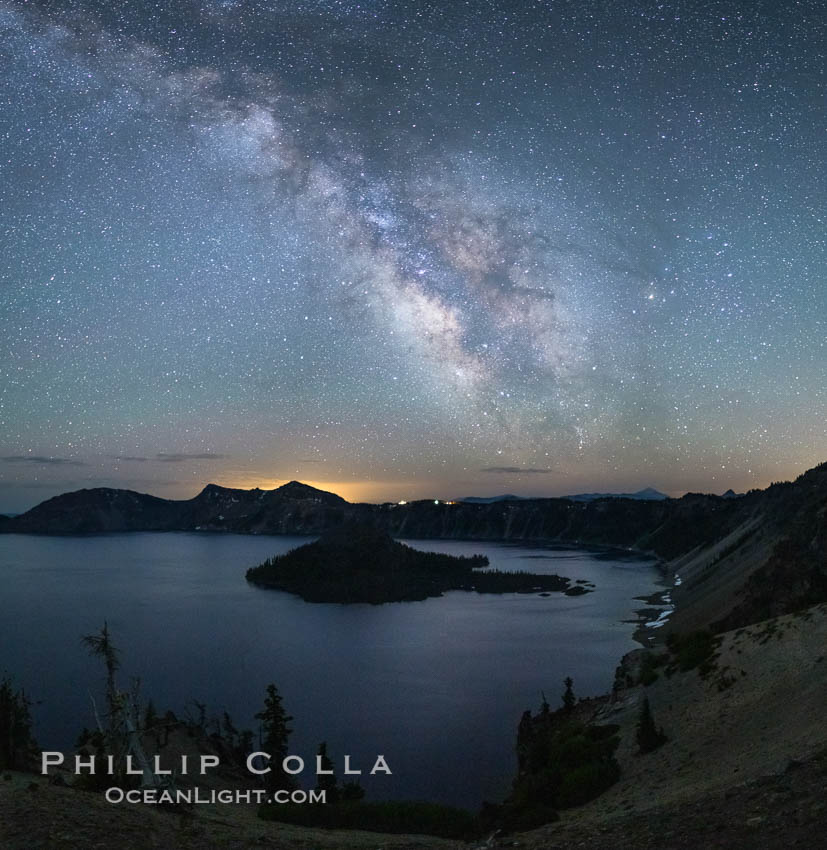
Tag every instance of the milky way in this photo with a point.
(411, 249)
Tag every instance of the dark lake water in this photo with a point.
(437, 687)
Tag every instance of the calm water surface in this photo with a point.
(437, 687)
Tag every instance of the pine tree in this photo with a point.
(273, 735)
(101, 644)
(326, 781)
(150, 715)
(228, 731)
(569, 699)
(16, 742)
(649, 737)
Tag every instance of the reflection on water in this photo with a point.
(437, 687)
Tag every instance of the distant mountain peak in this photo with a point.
(214, 490)
(647, 494)
(298, 490)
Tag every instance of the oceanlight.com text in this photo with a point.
(211, 796)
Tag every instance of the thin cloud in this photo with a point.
(131, 458)
(41, 459)
(516, 470)
(184, 457)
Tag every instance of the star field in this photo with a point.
(408, 249)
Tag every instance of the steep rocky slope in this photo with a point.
(746, 760)
(770, 559)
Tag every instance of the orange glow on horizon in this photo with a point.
(351, 491)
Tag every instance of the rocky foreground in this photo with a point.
(745, 766)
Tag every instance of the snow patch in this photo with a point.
(662, 619)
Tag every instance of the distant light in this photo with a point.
(403, 502)
(436, 501)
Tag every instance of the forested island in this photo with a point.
(357, 562)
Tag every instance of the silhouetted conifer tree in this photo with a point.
(245, 744)
(101, 645)
(649, 737)
(273, 735)
(150, 715)
(326, 781)
(569, 699)
(16, 742)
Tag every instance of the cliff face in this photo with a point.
(795, 574)
(292, 509)
(101, 509)
(660, 526)
(613, 521)
(668, 528)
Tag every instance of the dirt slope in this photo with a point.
(746, 763)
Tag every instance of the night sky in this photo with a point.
(411, 249)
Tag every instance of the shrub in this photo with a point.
(587, 781)
(694, 649)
